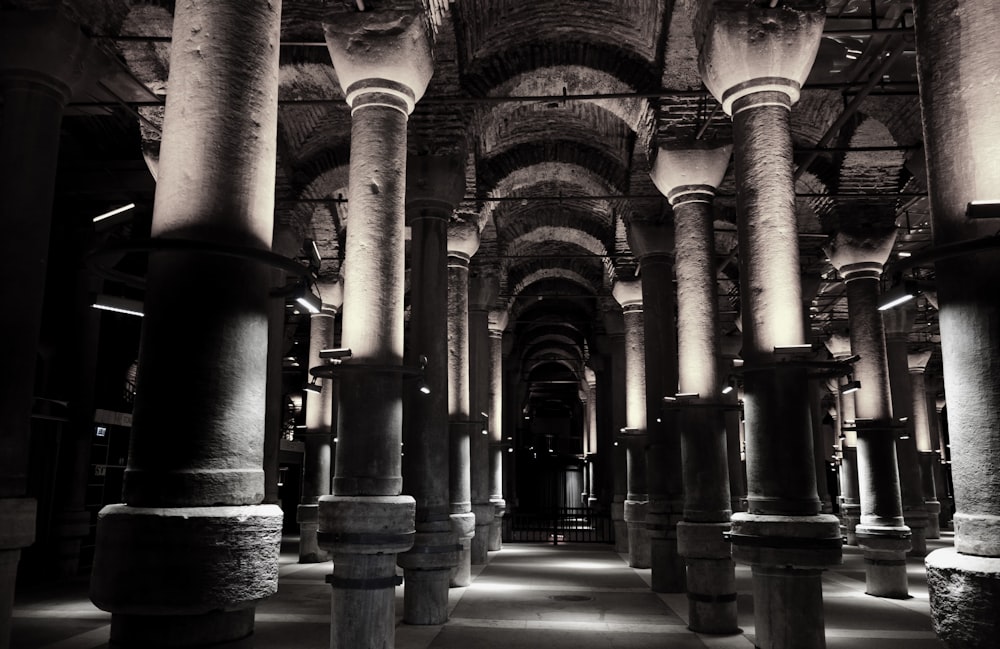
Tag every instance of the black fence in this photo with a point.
(558, 525)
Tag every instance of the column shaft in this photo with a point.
(636, 498)
(927, 456)
(496, 435)
(192, 524)
(960, 121)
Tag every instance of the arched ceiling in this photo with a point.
(557, 107)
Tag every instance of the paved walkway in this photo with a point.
(528, 596)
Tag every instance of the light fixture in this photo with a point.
(422, 384)
(313, 386)
(681, 396)
(118, 304)
(792, 351)
(424, 388)
(900, 293)
(110, 213)
(338, 353)
(850, 386)
(985, 209)
(308, 299)
(730, 385)
(312, 252)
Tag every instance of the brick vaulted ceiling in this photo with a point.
(559, 107)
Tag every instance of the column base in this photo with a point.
(933, 509)
(885, 561)
(184, 561)
(427, 570)
(850, 513)
(17, 530)
(916, 520)
(711, 577)
(307, 517)
(639, 552)
(668, 570)
(484, 513)
(787, 555)
(621, 529)
(364, 534)
(496, 525)
(965, 598)
(464, 526)
(215, 630)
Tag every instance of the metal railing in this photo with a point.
(558, 525)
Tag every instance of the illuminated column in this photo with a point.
(383, 64)
(187, 557)
(497, 323)
(810, 286)
(590, 447)
(689, 177)
(961, 123)
(898, 323)
(839, 345)
(882, 533)
(653, 243)
(928, 457)
(434, 186)
(628, 293)
(733, 419)
(783, 535)
(463, 241)
(615, 379)
(482, 293)
(319, 428)
(41, 55)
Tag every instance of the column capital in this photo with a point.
(498, 321)
(691, 174)
(332, 295)
(898, 322)
(917, 361)
(435, 185)
(628, 293)
(649, 238)
(43, 47)
(483, 290)
(381, 58)
(839, 345)
(857, 255)
(463, 239)
(750, 49)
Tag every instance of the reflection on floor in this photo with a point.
(529, 595)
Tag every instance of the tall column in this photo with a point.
(41, 56)
(961, 121)
(653, 244)
(783, 535)
(187, 557)
(898, 323)
(882, 534)
(810, 287)
(628, 293)
(615, 381)
(497, 324)
(927, 456)
(482, 293)
(590, 443)
(733, 419)
(689, 177)
(434, 186)
(383, 63)
(463, 241)
(319, 429)
(839, 345)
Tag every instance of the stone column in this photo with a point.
(898, 323)
(615, 380)
(497, 324)
(783, 535)
(383, 64)
(463, 241)
(628, 293)
(882, 533)
(482, 293)
(41, 56)
(689, 177)
(319, 428)
(653, 243)
(434, 186)
(590, 446)
(961, 120)
(810, 286)
(185, 560)
(733, 420)
(839, 345)
(927, 456)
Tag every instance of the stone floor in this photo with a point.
(529, 595)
